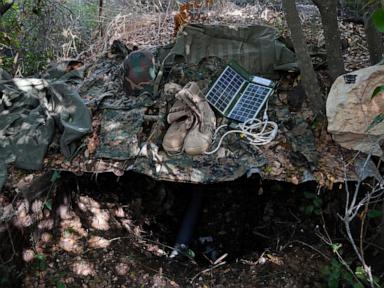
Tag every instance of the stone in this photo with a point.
(351, 109)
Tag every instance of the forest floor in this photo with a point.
(118, 231)
(121, 237)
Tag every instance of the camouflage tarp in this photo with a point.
(119, 133)
(128, 130)
(30, 109)
(292, 157)
(256, 48)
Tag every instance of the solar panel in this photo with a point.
(249, 105)
(239, 96)
(225, 89)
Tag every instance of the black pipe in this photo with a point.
(188, 225)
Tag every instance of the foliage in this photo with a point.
(33, 33)
(311, 204)
(380, 117)
(40, 262)
(378, 19)
(336, 275)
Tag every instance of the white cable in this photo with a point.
(256, 132)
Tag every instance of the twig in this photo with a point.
(329, 242)
(309, 246)
(207, 270)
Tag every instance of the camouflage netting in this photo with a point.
(128, 130)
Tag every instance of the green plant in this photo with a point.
(380, 117)
(337, 276)
(311, 204)
(378, 19)
(40, 262)
(55, 280)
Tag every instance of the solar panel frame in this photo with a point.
(250, 103)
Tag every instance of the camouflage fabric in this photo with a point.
(139, 72)
(31, 111)
(119, 134)
(256, 48)
(129, 129)
(132, 129)
(221, 167)
(3, 173)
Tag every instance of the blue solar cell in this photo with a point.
(225, 89)
(250, 102)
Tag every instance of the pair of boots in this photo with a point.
(192, 123)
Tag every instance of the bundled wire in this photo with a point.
(257, 132)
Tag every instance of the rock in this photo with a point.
(351, 109)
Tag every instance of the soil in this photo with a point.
(105, 231)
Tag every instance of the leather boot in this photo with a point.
(199, 138)
(181, 120)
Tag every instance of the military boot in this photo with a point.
(181, 120)
(199, 137)
(177, 111)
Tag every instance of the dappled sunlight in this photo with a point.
(119, 212)
(28, 255)
(46, 237)
(37, 206)
(64, 212)
(98, 242)
(100, 220)
(73, 226)
(122, 268)
(23, 218)
(71, 233)
(83, 268)
(70, 243)
(87, 203)
(155, 249)
(46, 224)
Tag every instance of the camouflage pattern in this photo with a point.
(132, 129)
(119, 134)
(280, 160)
(256, 48)
(139, 72)
(3, 173)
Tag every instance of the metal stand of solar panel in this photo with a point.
(238, 95)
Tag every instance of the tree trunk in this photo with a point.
(308, 75)
(374, 39)
(328, 12)
(100, 17)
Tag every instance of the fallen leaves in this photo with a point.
(98, 242)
